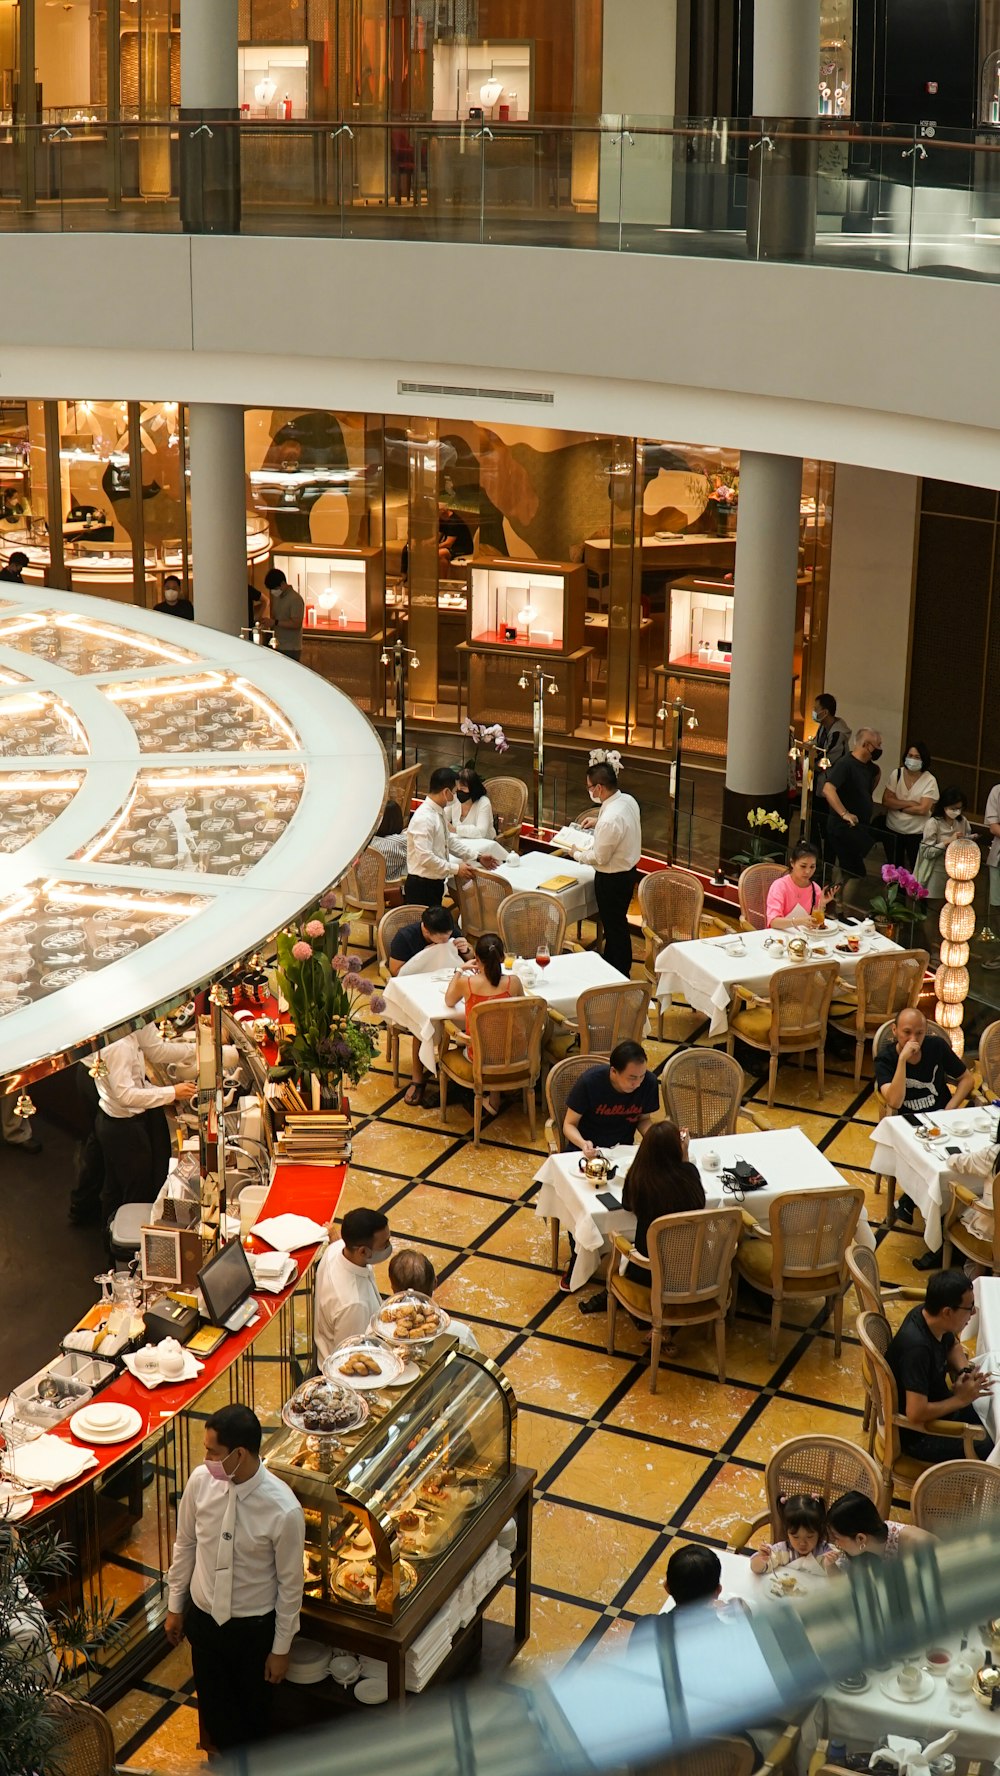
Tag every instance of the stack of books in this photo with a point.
(321, 1138)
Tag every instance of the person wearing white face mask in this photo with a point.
(347, 1295)
(173, 603)
(235, 1581)
(945, 822)
(909, 795)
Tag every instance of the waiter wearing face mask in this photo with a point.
(347, 1296)
(173, 603)
(849, 791)
(613, 852)
(235, 1581)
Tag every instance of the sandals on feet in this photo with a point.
(414, 1096)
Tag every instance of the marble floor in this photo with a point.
(623, 1475)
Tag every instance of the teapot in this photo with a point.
(986, 1686)
(598, 1168)
(798, 949)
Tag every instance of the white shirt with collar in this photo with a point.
(267, 1550)
(617, 841)
(126, 1090)
(346, 1300)
(431, 851)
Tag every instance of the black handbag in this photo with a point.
(741, 1177)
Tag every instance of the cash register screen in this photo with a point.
(226, 1282)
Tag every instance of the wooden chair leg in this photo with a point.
(859, 1055)
(530, 1102)
(867, 1416)
(612, 1321)
(443, 1090)
(720, 1346)
(654, 1359)
(890, 1202)
(477, 1119)
(730, 1041)
(772, 1079)
(946, 1253)
(554, 1230)
(838, 1324)
(820, 1073)
(775, 1328)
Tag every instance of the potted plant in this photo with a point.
(901, 904)
(325, 991)
(764, 826)
(483, 735)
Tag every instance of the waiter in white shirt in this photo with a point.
(614, 852)
(235, 1581)
(130, 1124)
(347, 1295)
(432, 854)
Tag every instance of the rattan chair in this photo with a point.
(989, 1058)
(401, 788)
(509, 801)
(365, 893)
(792, 1021)
(84, 1744)
(702, 1092)
(717, 1757)
(395, 920)
(885, 985)
(805, 1252)
(690, 1267)
(958, 1495)
(899, 1472)
(559, 1082)
(826, 1466)
(862, 1264)
(752, 889)
(528, 918)
(955, 1237)
(883, 1110)
(609, 1015)
(499, 1051)
(479, 896)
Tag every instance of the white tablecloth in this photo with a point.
(416, 1002)
(785, 1157)
(531, 868)
(921, 1167)
(706, 970)
(863, 1719)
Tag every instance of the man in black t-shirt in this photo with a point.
(918, 1071)
(608, 1105)
(925, 1355)
(848, 792)
(434, 926)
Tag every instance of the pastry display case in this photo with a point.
(389, 1492)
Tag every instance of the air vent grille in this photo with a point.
(534, 397)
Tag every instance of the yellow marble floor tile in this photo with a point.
(455, 1217)
(635, 1479)
(614, 1639)
(174, 1669)
(493, 1340)
(736, 1492)
(577, 1382)
(373, 1093)
(895, 1259)
(648, 1597)
(385, 1146)
(428, 1116)
(815, 1127)
(869, 1110)
(367, 1190)
(680, 1022)
(683, 1409)
(123, 1587)
(172, 1750)
(584, 1555)
(523, 1235)
(852, 1147)
(541, 1440)
(782, 1419)
(510, 1293)
(557, 1629)
(512, 1129)
(822, 1376)
(127, 1717)
(493, 1171)
(800, 1090)
(439, 1255)
(746, 1350)
(566, 1321)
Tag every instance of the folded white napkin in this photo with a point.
(286, 1233)
(49, 1463)
(271, 1283)
(192, 1367)
(435, 959)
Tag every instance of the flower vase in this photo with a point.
(886, 926)
(721, 520)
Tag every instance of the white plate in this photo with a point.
(390, 1364)
(890, 1687)
(371, 1690)
(121, 1433)
(404, 1378)
(14, 1502)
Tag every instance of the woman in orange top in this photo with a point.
(485, 980)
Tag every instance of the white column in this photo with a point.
(210, 55)
(760, 687)
(218, 515)
(786, 38)
(639, 79)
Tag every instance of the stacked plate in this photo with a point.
(309, 1661)
(109, 1423)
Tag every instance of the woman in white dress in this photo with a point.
(909, 796)
(470, 817)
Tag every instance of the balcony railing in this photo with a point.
(828, 192)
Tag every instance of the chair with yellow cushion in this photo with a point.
(479, 898)
(609, 1015)
(559, 1082)
(826, 1466)
(702, 1092)
(528, 918)
(401, 789)
(862, 1264)
(804, 1252)
(671, 902)
(752, 888)
(884, 986)
(499, 1051)
(792, 1021)
(899, 1471)
(690, 1266)
(366, 894)
(509, 801)
(956, 1497)
(956, 1237)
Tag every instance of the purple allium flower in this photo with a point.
(354, 964)
(378, 1003)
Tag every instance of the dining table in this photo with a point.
(530, 871)
(417, 1002)
(920, 1162)
(705, 970)
(785, 1158)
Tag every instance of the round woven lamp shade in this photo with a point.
(954, 955)
(957, 1040)
(962, 860)
(948, 1017)
(957, 923)
(959, 894)
(952, 985)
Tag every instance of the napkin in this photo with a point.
(435, 959)
(49, 1463)
(271, 1284)
(286, 1233)
(192, 1367)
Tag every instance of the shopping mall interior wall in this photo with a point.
(871, 592)
(209, 319)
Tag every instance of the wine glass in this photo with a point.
(542, 956)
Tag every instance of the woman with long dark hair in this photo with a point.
(484, 980)
(660, 1181)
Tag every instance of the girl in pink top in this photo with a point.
(793, 899)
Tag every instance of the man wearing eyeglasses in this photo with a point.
(849, 791)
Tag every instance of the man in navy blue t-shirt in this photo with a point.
(608, 1106)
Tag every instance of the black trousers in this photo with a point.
(136, 1152)
(847, 845)
(902, 848)
(88, 1187)
(421, 891)
(234, 1701)
(614, 897)
(929, 1448)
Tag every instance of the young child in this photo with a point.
(803, 1521)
